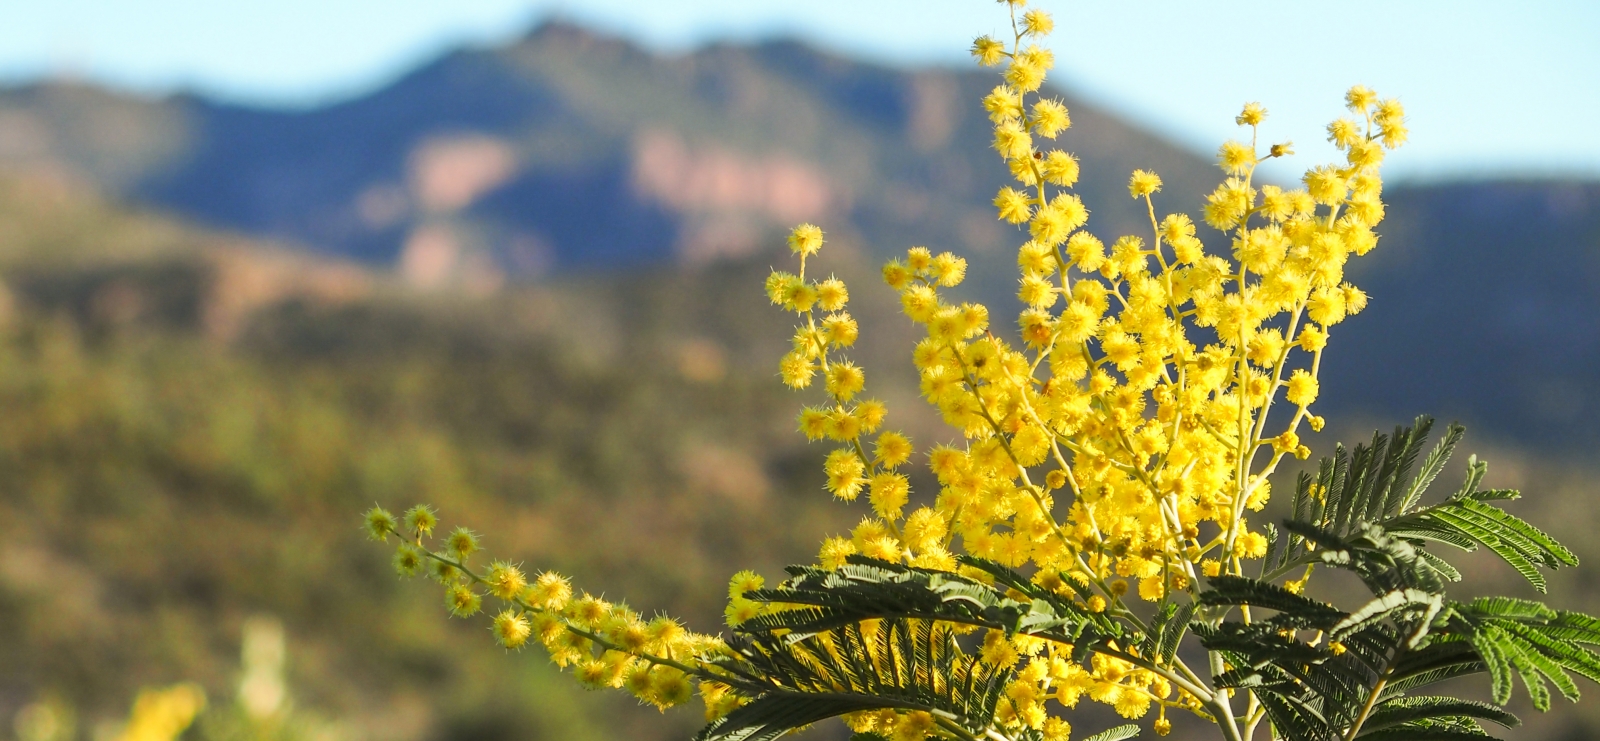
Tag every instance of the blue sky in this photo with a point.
(1493, 88)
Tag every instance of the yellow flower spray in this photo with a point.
(1114, 453)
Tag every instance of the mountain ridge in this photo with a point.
(568, 153)
(745, 140)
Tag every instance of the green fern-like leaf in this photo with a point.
(901, 664)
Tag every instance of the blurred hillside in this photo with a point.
(191, 417)
(172, 462)
(1485, 308)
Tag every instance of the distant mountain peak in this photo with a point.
(569, 149)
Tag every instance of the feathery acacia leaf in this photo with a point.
(900, 664)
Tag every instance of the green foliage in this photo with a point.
(899, 663)
(869, 589)
(1360, 513)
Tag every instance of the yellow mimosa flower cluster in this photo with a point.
(1114, 441)
(1124, 438)
(604, 644)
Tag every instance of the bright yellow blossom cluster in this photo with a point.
(1125, 437)
(603, 643)
(1113, 450)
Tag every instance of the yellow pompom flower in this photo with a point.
(1003, 104)
(1326, 306)
(1355, 299)
(740, 610)
(1038, 23)
(834, 552)
(1059, 168)
(1132, 704)
(1250, 545)
(844, 380)
(1050, 118)
(551, 591)
(1369, 211)
(805, 240)
(871, 412)
(1177, 227)
(844, 471)
(505, 581)
(379, 523)
(591, 674)
(892, 449)
(637, 682)
(462, 543)
(920, 303)
(843, 425)
(1143, 183)
(1055, 221)
(407, 561)
(421, 520)
(919, 258)
(832, 294)
(1037, 292)
(1037, 56)
(1037, 328)
(1391, 120)
(588, 611)
(1025, 171)
(948, 270)
(744, 581)
(1015, 206)
(897, 275)
(1056, 729)
(1086, 251)
(796, 370)
(1228, 204)
(1036, 259)
(1152, 588)
(1235, 157)
(1364, 155)
(840, 330)
(462, 600)
(511, 629)
(1276, 204)
(1025, 76)
(670, 687)
(987, 50)
(799, 296)
(1302, 389)
(1344, 132)
(777, 286)
(1252, 115)
(888, 493)
(813, 423)
(1360, 98)
(1312, 339)
(1012, 141)
(925, 529)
